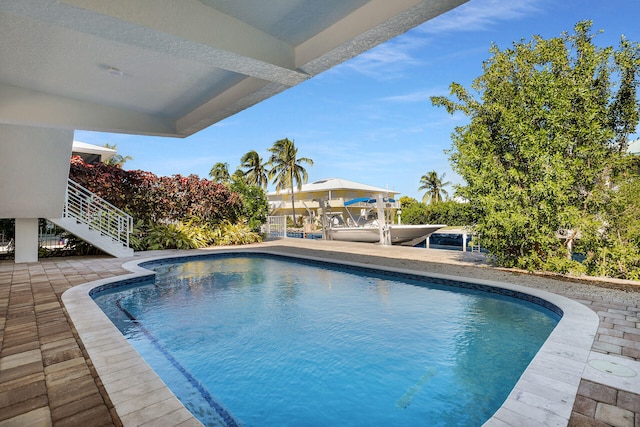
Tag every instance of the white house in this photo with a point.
(333, 193)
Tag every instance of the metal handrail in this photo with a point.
(88, 208)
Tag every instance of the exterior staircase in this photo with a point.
(96, 221)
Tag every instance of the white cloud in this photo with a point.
(422, 95)
(389, 60)
(480, 15)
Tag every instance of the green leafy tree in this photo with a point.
(450, 213)
(117, 159)
(254, 169)
(255, 205)
(287, 171)
(434, 185)
(545, 141)
(219, 173)
(613, 248)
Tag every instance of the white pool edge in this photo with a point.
(544, 394)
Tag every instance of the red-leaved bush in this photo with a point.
(155, 199)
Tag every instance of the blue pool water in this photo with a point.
(266, 341)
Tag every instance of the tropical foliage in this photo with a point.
(174, 212)
(117, 159)
(450, 213)
(543, 155)
(219, 173)
(255, 205)
(287, 171)
(434, 185)
(254, 170)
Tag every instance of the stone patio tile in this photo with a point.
(151, 413)
(23, 406)
(614, 416)
(626, 328)
(68, 334)
(53, 357)
(47, 306)
(97, 416)
(21, 391)
(19, 337)
(11, 374)
(514, 418)
(131, 379)
(63, 344)
(620, 341)
(73, 390)
(36, 418)
(137, 391)
(128, 403)
(598, 392)
(611, 332)
(631, 353)
(77, 406)
(580, 420)
(193, 422)
(15, 327)
(543, 379)
(604, 347)
(585, 406)
(8, 350)
(63, 376)
(54, 328)
(624, 311)
(19, 359)
(630, 401)
(115, 356)
(22, 380)
(554, 406)
(172, 419)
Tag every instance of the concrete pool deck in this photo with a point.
(55, 373)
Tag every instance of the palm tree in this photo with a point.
(116, 160)
(220, 173)
(255, 171)
(286, 169)
(435, 187)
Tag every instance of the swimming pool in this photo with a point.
(297, 343)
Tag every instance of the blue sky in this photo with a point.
(370, 119)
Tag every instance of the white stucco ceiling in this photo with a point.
(181, 65)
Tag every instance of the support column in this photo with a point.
(26, 241)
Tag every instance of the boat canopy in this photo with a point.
(366, 200)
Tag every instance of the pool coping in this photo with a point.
(544, 394)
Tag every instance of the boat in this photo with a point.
(399, 233)
(368, 229)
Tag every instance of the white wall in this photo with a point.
(34, 167)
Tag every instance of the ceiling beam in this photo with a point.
(185, 28)
(19, 106)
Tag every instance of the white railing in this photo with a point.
(88, 208)
(335, 203)
(276, 227)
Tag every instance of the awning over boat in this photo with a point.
(366, 200)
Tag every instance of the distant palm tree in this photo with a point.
(435, 187)
(220, 173)
(117, 159)
(254, 170)
(286, 169)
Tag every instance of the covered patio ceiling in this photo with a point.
(165, 67)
